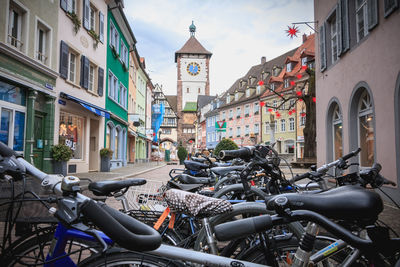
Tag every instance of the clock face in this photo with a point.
(193, 68)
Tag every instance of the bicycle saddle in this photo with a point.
(188, 179)
(184, 187)
(196, 205)
(105, 188)
(194, 166)
(345, 202)
(225, 170)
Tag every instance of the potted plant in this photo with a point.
(61, 154)
(75, 19)
(105, 155)
(95, 37)
(182, 154)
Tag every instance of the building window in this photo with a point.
(256, 128)
(283, 125)
(272, 86)
(122, 98)
(71, 6)
(236, 96)
(237, 131)
(228, 99)
(289, 146)
(291, 124)
(199, 90)
(72, 67)
(238, 112)
(256, 108)
(223, 116)
(334, 37)
(230, 114)
(92, 18)
(361, 19)
(42, 43)
(258, 89)
(247, 130)
(302, 120)
(366, 130)
(16, 26)
(390, 6)
(304, 61)
(274, 103)
(230, 132)
(283, 105)
(91, 77)
(114, 37)
(246, 110)
(113, 87)
(337, 133)
(71, 133)
(187, 90)
(247, 92)
(124, 55)
(289, 67)
(286, 83)
(108, 136)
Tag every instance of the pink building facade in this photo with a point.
(358, 84)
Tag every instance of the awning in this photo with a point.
(93, 108)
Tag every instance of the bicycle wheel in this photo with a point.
(119, 257)
(240, 211)
(33, 251)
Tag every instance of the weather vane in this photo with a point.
(294, 30)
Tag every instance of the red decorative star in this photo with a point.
(292, 31)
(304, 67)
(314, 99)
(290, 112)
(262, 103)
(293, 110)
(292, 83)
(278, 115)
(299, 76)
(261, 83)
(298, 93)
(303, 114)
(270, 110)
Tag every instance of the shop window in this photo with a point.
(71, 133)
(12, 128)
(289, 146)
(108, 136)
(12, 94)
(337, 133)
(366, 130)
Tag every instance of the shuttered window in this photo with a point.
(322, 47)
(84, 72)
(101, 27)
(64, 60)
(100, 81)
(345, 33)
(86, 14)
(372, 7)
(390, 6)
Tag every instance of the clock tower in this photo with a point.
(193, 79)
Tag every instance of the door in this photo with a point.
(94, 152)
(38, 142)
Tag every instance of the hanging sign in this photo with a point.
(220, 126)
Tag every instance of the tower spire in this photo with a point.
(192, 29)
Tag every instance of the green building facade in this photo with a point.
(28, 73)
(120, 40)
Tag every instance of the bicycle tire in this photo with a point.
(120, 257)
(33, 251)
(246, 208)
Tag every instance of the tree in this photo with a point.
(225, 144)
(305, 93)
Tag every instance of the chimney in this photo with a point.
(263, 60)
(304, 38)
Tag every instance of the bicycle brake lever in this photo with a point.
(92, 232)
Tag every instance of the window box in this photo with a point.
(238, 116)
(230, 119)
(246, 134)
(256, 113)
(114, 51)
(75, 19)
(95, 37)
(246, 115)
(256, 133)
(230, 136)
(238, 135)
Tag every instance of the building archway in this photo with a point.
(362, 124)
(334, 130)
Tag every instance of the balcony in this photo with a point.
(15, 42)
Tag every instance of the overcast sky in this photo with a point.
(237, 32)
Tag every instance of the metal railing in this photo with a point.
(15, 42)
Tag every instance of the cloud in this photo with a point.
(238, 33)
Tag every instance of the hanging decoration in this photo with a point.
(299, 76)
(314, 99)
(290, 112)
(270, 110)
(298, 93)
(262, 104)
(292, 31)
(304, 67)
(292, 83)
(260, 83)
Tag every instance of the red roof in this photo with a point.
(192, 46)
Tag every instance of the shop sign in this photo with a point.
(71, 144)
(149, 132)
(61, 102)
(49, 86)
(300, 138)
(135, 119)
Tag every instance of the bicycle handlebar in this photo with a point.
(121, 228)
(243, 153)
(6, 151)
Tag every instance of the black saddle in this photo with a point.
(184, 187)
(105, 188)
(345, 203)
(224, 170)
(198, 159)
(188, 179)
(195, 166)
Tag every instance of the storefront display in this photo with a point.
(71, 133)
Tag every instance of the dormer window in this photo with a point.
(272, 86)
(289, 67)
(286, 83)
(228, 99)
(247, 92)
(218, 104)
(236, 96)
(252, 80)
(258, 89)
(304, 61)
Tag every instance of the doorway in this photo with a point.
(38, 142)
(94, 153)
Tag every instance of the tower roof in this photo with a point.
(192, 46)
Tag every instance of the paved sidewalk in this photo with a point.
(121, 173)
